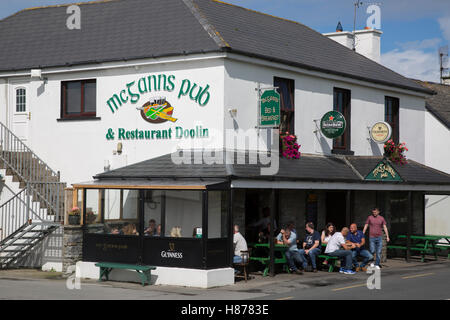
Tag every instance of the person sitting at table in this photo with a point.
(311, 247)
(327, 233)
(338, 247)
(264, 235)
(288, 238)
(158, 231)
(175, 232)
(151, 230)
(357, 237)
(239, 244)
(130, 230)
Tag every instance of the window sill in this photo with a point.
(78, 119)
(343, 152)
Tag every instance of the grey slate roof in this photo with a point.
(117, 30)
(307, 168)
(438, 104)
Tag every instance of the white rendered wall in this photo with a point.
(437, 151)
(79, 148)
(196, 278)
(313, 98)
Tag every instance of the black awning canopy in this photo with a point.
(331, 172)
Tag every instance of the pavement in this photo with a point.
(398, 280)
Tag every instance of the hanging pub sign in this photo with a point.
(269, 115)
(333, 124)
(380, 132)
(383, 172)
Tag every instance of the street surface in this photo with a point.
(429, 280)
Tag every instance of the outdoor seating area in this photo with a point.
(421, 245)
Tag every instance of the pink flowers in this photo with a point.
(395, 152)
(75, 211)
(289, 146)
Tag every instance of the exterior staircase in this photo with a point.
(35, 210)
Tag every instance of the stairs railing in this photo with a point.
(41, 182)
(17, 212)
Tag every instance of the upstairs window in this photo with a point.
(391, 116)
(21, 105)
(78, 99)
(286, 89)
(342, 104)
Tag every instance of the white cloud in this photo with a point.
(417, 45)
(413, 63)
(444, 22)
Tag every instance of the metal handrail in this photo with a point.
(2, 126)
(28, 167)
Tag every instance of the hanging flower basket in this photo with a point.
(289, 146)
(395, 152)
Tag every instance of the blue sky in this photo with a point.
(413, 30)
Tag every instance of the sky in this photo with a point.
(413, 30)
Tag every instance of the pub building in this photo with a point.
(155, 117)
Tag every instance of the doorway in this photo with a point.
(336, 208)
(19, 109)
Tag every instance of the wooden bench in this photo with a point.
(143, 271)
(330, 260)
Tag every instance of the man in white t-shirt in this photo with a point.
(239, 245)
(338, 247)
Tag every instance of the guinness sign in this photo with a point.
(171, 253)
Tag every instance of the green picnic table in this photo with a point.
(143, 271)
(424, 244)
(265, 259)
(330, 260)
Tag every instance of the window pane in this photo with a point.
(342, 104)
(112, 205)
(90, 96)
(20, 100)
(153, 200)
(183, 213)
(286, 90)
(92, 216)
(217, 214)
(73, 97)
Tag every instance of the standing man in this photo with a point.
(377, 224)
(289, 238)
(311, 247)
(337, 247)
(357, 237)
(239, 245)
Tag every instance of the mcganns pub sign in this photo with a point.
(156, 83)
(157, 110)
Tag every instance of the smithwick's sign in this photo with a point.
(380, 132)
(171, 253)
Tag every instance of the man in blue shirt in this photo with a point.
(357, 237)
(311, 247)
(289, 238)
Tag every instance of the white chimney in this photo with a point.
(367, 41)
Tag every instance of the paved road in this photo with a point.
(426, 281)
